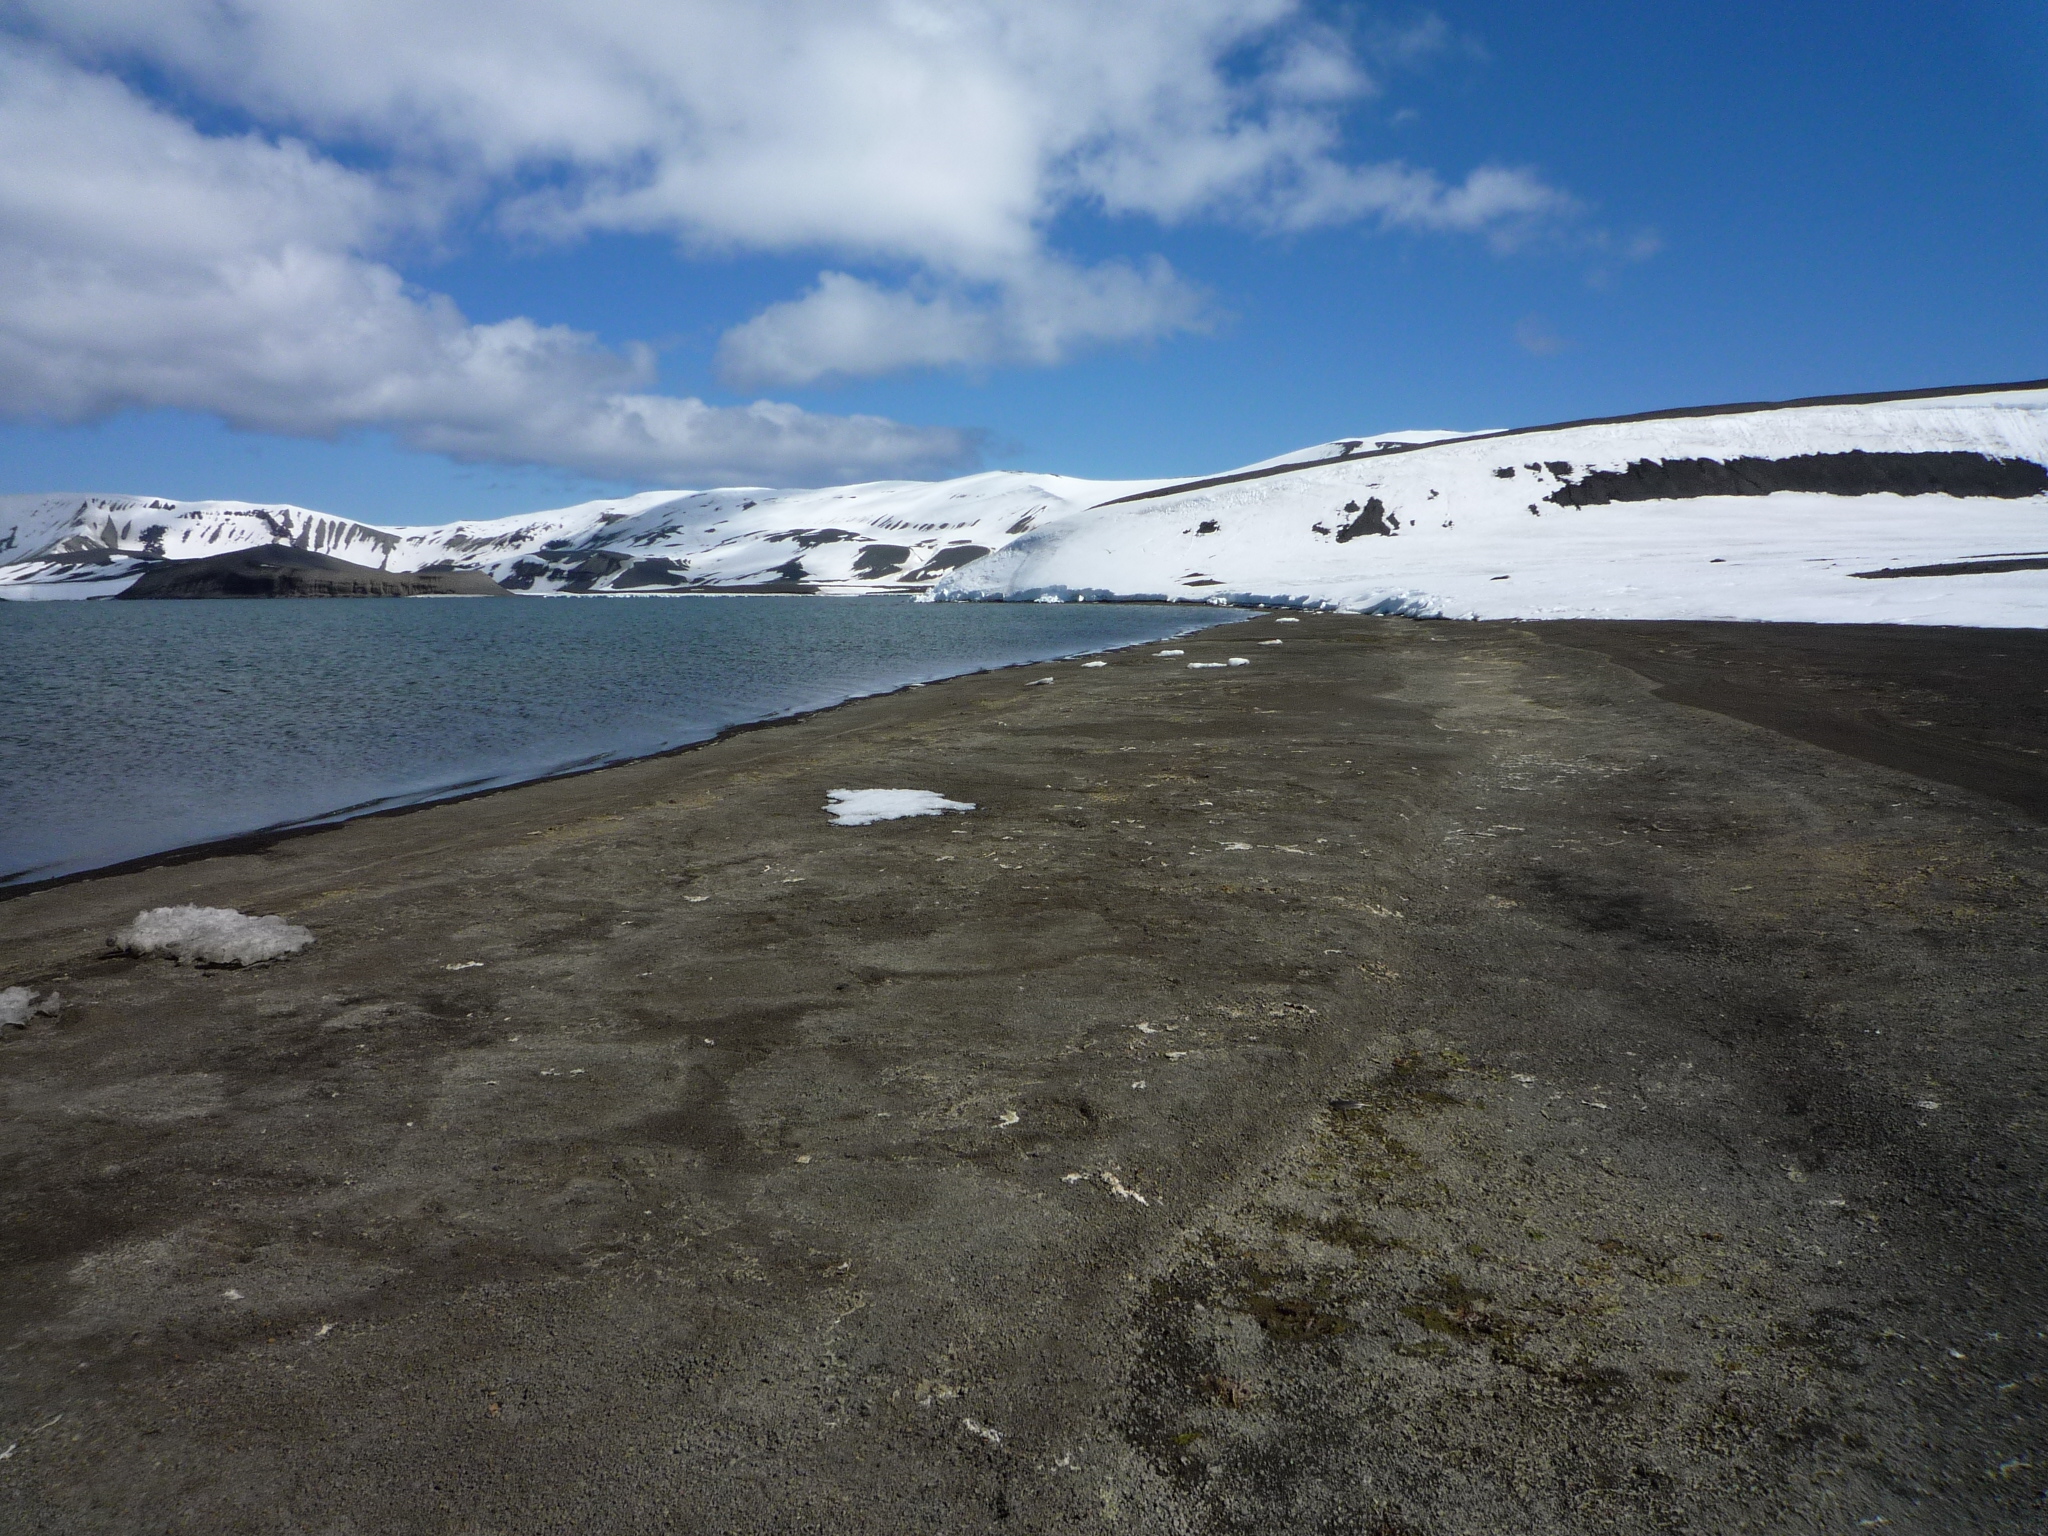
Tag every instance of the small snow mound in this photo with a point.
(1200, 666)
(858, 807)
(211, 936)
(18, 1005)
(1094, 663)
(1169, 653)
(1240, 661)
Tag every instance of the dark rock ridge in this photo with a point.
(1855, 473)
(1957, 568)
(279, 570)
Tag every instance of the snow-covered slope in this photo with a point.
(888, 536)
(1928, 508)
(72, 545)
(1555, 522)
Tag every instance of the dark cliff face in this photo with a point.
(278, 570)
(1855, 473)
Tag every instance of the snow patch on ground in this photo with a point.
(859, 807)
(211, 936)
(18, 1005)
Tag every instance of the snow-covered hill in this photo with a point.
(1924, 508)
(888, 536)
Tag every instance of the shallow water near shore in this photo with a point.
(136, 728)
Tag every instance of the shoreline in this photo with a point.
(2017, 784)
(1425, 1079)
(260, 839)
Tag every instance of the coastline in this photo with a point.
(1421, 1077)
(257, 839)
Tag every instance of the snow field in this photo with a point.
(1465, 528)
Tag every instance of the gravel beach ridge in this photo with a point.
(1432, 1078)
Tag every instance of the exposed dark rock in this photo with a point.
(279, 570)
(588, 570)
(1956, 568)
(1855, 473)
(947, 560)
(1373, 519)
(524, 574)
(774, 586)
(878, 560)
(652, 571)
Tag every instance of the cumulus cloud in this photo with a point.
(151, 265)
(847, 326)
(251, 274)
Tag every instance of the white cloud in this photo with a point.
(942, 138)
(150, 265)
(846, 326)
(1505, 204)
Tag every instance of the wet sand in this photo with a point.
(1426, 1080)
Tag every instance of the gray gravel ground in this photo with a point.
(1419, 1082)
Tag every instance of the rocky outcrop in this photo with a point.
(1856, 473)
(279, 570)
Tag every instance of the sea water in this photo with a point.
(128, 729)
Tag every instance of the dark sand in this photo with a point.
(1555, 1107)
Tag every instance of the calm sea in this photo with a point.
(134, 728)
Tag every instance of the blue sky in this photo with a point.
(283, 265)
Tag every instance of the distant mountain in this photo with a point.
(892, 536)
(1927, 507)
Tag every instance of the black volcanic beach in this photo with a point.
(1435, 1078)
